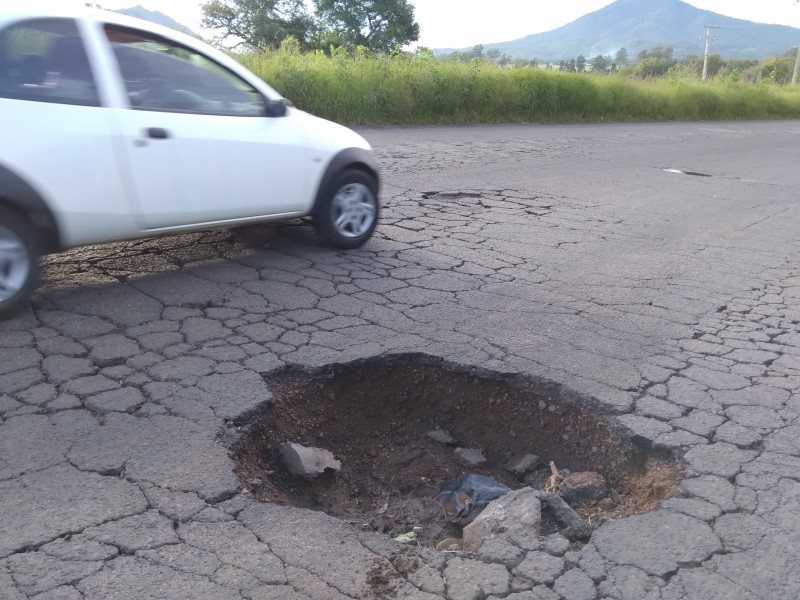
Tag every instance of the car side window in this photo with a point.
(162, 75)
(44, 60)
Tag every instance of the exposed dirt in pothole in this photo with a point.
(374, 417)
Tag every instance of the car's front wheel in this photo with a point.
(347, 211)
(19, 262)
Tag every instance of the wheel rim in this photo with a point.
(353, 210)
(14, 264)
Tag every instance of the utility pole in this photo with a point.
(708, 45)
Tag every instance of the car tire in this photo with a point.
(347, 210)
(19, 262)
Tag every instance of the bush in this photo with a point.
(360, 88)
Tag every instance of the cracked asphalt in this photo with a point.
(574, 253)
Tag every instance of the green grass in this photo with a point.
(363, 89)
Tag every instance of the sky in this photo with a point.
(465, 23)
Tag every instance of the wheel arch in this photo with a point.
(349, 158)
(19, 195)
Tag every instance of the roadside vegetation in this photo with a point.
(343, 60)
(360, 87)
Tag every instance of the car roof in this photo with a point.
(11, 11)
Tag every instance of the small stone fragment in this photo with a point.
(517, 514)
(442, 436)
(470, 457)
(449, 545)
(522, 464)
(583, 486)
(302, 461)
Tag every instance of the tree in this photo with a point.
(580, 63)
(621, 57)
(600, 63)
(259, 24)
(379, 25)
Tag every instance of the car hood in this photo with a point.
(327, 135)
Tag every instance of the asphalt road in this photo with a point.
(650, 269)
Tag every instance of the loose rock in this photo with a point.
(442, 436)
(522, 464)
(307, 462)
(583, 486)
(517, 514)
(470, 457)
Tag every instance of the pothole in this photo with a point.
(375, 417)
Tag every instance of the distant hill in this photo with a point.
(643, 24)
(156, 17)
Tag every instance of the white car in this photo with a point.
(113, 128)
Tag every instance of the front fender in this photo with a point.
(349, 158)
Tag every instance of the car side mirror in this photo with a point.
(275, 108)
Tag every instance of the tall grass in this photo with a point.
(359, 88)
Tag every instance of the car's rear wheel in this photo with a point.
(19, 262)
(347, 211)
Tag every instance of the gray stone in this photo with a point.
(736, 434)
(522, 464)
(583, 486)
(658, 542)
(66, 500)
(540, 567)
(575, 585)
(473, 580)
(38, 394)
(442, 436)
(305, 462)
(471, 458)
(515, 515)
(720, 459)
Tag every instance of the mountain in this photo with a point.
(644, 24)
(156, 17)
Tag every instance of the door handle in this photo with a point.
(157, 133)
